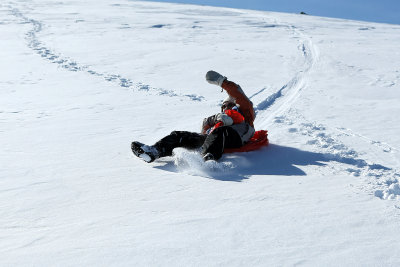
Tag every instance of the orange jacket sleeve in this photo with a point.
(236, 116)
(246, 106)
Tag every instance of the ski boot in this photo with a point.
(145, 152)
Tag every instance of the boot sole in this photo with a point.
(138, 152)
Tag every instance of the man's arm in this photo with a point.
(246, 106)
(211, 121)
(207, 124)
(234, 90)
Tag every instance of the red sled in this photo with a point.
(259, 139)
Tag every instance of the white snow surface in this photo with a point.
(81, 80)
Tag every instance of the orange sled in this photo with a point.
(259, 139)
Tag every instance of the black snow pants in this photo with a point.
(214, 143)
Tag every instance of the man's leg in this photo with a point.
(183, 139)
(219, 139)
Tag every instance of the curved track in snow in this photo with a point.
(70, 64)
(282, 100)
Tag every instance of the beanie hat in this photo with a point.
(229, 99)
(228, 102)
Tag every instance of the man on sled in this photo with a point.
(232, 128)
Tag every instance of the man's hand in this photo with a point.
(214, 77)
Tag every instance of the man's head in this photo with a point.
(228, 103)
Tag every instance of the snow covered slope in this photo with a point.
(80, 80)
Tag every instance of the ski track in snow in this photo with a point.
(381, 145)
(290, 91)
(71, 65)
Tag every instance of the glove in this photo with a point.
(215, 78)
(225, 119)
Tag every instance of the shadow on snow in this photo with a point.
(273, 160)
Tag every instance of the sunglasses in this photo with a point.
(226, 106)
